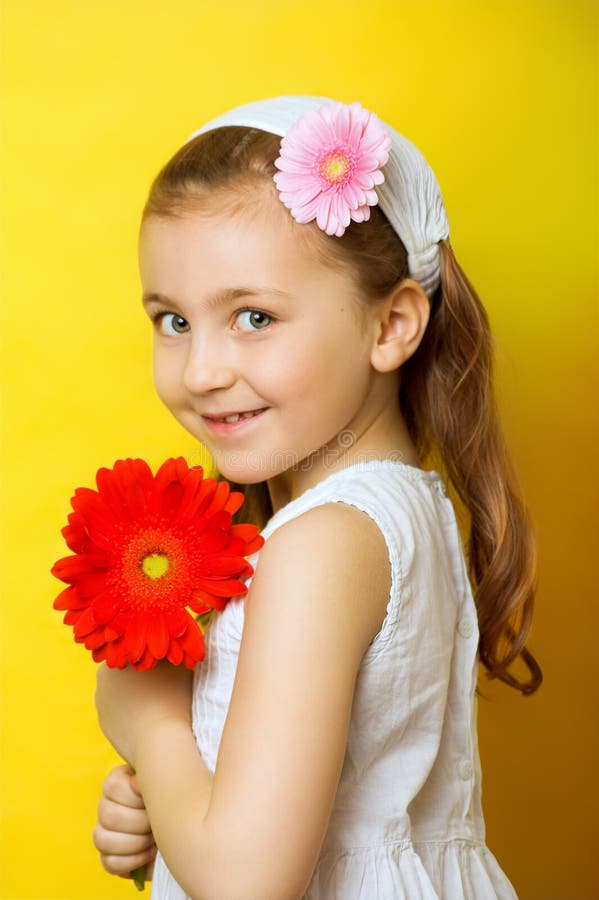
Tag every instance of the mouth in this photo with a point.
(233, 421)
(235, 417)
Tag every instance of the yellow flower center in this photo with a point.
(155, 565)
(334, 167)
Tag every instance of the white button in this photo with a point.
(465, 769)
(465, 627)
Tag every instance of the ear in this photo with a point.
(401, 321)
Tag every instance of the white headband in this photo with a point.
(409, 196)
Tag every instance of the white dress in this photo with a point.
(407, 822)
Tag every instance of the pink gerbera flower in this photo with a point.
(330, 160)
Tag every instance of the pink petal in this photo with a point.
(353, 195)
(367, 162)
(342, 124)
(364, 180)
(324, 208)
(341, 210)
(358, 215)
(355, 134)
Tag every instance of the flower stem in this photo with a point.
(139, 877)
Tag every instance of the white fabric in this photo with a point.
(409, 196)
(407, 822)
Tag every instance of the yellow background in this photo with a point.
(502, 99)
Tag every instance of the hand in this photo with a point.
(132, 704)
(123, 834)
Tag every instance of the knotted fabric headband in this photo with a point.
(408, 193)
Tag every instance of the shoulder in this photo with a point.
(336, 556)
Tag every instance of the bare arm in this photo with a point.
(255, 828)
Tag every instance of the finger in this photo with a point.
(117, 786)
(116, 817)
(125, 865)
(118, 843)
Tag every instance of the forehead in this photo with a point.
(217, 248)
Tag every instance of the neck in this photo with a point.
(380, 433)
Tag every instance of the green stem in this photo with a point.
(139, 877)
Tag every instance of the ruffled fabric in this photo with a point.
(435, 870)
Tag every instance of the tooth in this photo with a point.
(234, 418)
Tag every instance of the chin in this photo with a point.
(237, 472)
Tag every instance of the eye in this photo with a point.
(171, 323)
(257, 319)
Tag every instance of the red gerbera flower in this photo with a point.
(148, 547)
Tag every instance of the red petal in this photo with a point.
(218, 603)
(99, 655)
(221, 495)
(235, 501)
(137, 629)
(177, 622)
(254, 545)
(167, 489)
(94, 640)
(190, 662)
(199, 606)
(71, 616)
(113, 485)
(92, 584)
(70, 568)
(135, 481)
(223, 565)
(116, 628)
(105, 543)
(70, 599)
(75, 535)
(105, 607)
(146, 662)
(228, 587)
(116, 657)
(175, 653)
(89, 637)
(212, 541)
(193, 642)
(245, 531)
(92, 509)
(158, 636)
(85, 624)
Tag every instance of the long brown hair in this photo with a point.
(446, 395)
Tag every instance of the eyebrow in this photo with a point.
(219, 298)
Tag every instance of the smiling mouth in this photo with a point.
(237, 417)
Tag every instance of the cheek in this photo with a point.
(166, 377)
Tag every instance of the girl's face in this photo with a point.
(247, 320)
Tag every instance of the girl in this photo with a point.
(314, 330)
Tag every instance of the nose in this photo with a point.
(207, 367)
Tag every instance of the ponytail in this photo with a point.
(448, 402)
